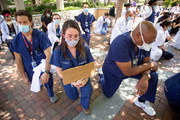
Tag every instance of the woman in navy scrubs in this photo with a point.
(73, 52)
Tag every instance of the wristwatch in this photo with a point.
(147, 74)
(47, 71)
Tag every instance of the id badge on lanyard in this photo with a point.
(135, 61)
(86, 22)
(33, 63)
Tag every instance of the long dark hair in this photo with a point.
(80, 46)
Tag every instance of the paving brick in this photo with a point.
(36, 97)
(67, 117)
(46, 104)
(161, 108)
(135, 114)
(167, 116)
(63, 96)
(57, 117)
(30, 112)
(159, 114)
(19, 111)
(9, 105)
(51, 111)
(128, 117)
(26, 91)
(18, 91)
(40, 112)
(59, 102)
(76, 103)
(79, 108)
(123, 112)
(117, 117)
(72, 111)
(66, 103)
(37, 104)
(28, 104)
(61, 111)
(46, 117)
(19, 98)
(2, 98)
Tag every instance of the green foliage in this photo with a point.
(167, 3)
(174, 3)
(48, 1)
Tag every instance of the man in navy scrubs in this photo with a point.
(153, 5)
(128, 56)
(85, 21)
(30, 46)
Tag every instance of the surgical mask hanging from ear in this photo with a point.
(154, 7)
(169, 28)
(72, 43)
(129, 18)
(48, 15)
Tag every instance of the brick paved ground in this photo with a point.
(18, 102)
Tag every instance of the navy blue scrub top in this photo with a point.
(40, 43)
(82, 18)
(122, 50)
(152, 17)
(60, 61)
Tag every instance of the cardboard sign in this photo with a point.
(77, 73)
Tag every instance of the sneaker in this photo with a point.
(146, 107)
(54, 98)
(86, 111)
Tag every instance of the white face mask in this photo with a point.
(72, 43)
(144, 46)
(9, 23)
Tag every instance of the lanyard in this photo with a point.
(30, 49)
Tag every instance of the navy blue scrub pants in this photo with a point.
(109, 86)
(49, 85)
(73, 93)
(86, 37)
(104, 28)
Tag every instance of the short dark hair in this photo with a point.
(152, 2)
(106, 14)
(127, 5)
(85, 3)
(23, 13)
(57, 15)
(48, 10)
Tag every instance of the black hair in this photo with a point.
(127, 5)
(23, 13)
(48, 10)
(6, 12)
(163, 18)
(85, 3)
(165, 23)
(152, 2)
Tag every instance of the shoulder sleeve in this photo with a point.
(56, 58)
(88, 54)
(119, 50)
(13, 46)
(159, 39)
(79, 18)
(44, 41)
(42, 18)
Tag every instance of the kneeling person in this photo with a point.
(128, 56)
(30, 46)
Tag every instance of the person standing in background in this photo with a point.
(112, 15)
(46, 19)
(85, 21)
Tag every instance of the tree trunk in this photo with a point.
(119, 8)
(104, 2)
(34, 2)
(109, 1)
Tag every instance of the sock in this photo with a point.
(141, 100)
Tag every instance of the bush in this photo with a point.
(167, 3)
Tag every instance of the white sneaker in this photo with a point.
(146, 107)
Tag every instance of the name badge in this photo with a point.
(135, 61)
(87, 30)
(33, 64)
(86, 23)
